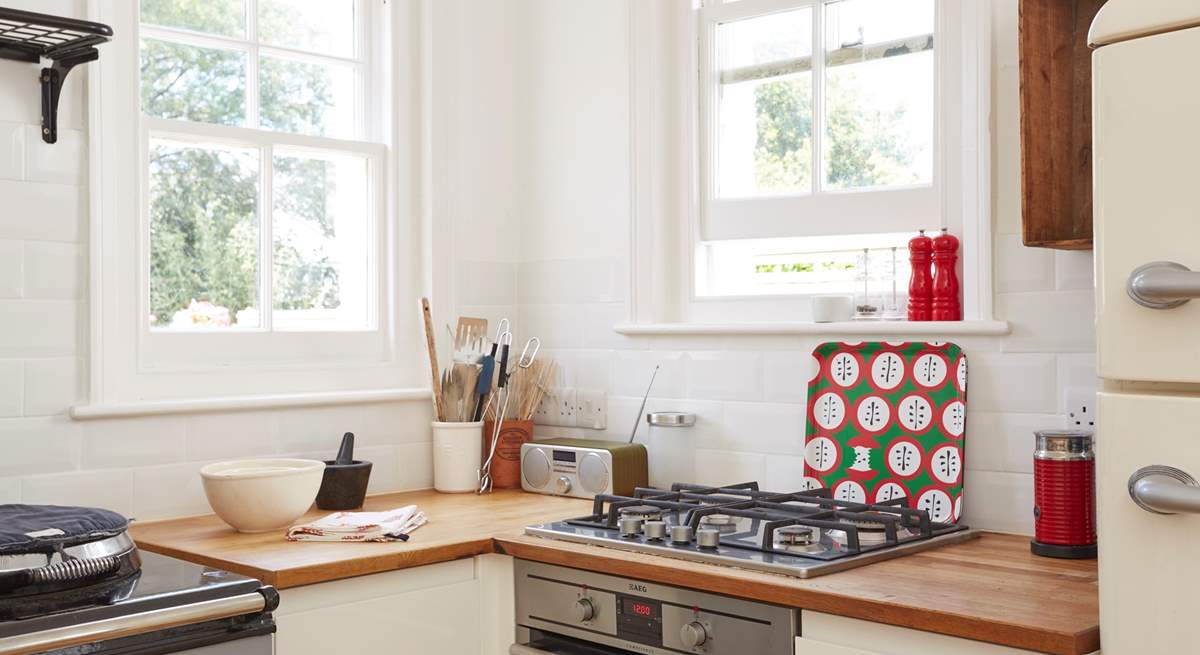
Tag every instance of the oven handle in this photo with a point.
(124, 626)
(522, 649)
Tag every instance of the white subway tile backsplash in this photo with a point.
(38, 328)
(1074, 270)
(784, 473)
(593, 369)
(12, 387)
(52, 385)
(10, 490)
(765, 428)
(415, 466)
(53, 270)
(1022, 269)
(1077, 370)
(486, 283)
(12, 151)
(721, 467)
(45, 212)
(1012, 383)
(231, 436)
(57, 163)
(11, 269)
(727, 375)
(174, 490)
(632, 370)
(787, 375)
(111, 489)
(557, 326)
(122, 443)
(1003, 442)
(385, 467)
(1001, 502)
(1056, 322)
(39, 445)
(598, 321)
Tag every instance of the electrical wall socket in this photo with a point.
(558, 407)
(1081, 408)
(591, 410)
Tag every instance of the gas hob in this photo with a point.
(802, 534)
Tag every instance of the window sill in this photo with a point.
(871, 328)
(243, 403)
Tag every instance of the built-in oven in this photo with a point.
(571, 612)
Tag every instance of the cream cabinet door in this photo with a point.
(1146, 124)
(1149, 563)
(827, 634)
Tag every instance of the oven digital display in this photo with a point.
(639, 620)
(564, 456)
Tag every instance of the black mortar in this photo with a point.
(344, 483)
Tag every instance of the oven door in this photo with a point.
(538, 642)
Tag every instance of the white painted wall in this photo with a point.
(146, 468)
(572, 284)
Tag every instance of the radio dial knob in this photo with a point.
(563, 485)
(693, 634)
(584, 610)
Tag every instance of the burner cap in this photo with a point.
(722, 523)
(644, 512)
(797, 535)
(867, 522)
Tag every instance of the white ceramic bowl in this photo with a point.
(261, 495)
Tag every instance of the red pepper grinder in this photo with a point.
(920, 286)
(945, 280)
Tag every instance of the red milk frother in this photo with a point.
(1064, 495)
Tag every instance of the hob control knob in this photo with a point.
(693, 634)
(584, 610)
(563, 485)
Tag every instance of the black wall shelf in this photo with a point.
(67, 42)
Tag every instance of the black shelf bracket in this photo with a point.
(68, 42)
(52, 81)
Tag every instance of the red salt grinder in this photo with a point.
(1064, 495)
(920, 285)
(946, 306)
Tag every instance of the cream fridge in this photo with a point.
(1146, 141)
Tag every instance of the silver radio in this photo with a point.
(582, 468)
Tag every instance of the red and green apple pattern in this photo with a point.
(888, 420)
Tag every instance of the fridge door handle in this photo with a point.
(1165, 490)
(1163, 285)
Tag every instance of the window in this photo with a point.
(828, 133)
(248, 231)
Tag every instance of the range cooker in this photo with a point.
(803, 534)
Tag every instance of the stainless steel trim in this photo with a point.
(671, 419)
(124, 626)
(1164, 490)
(714, 557)
(93, 550)
(1163, 285)
(1063, 445)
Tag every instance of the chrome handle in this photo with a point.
(124, 626)
(1165, 490)
(1163, 285)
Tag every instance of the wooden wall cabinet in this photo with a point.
(1056, 123)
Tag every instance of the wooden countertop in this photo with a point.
(460, 525)
(990, 589)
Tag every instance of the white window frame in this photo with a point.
(132, 364)
(962, 174)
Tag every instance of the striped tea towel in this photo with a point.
(391, 525)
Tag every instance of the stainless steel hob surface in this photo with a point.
(802, 534)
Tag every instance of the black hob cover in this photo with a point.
(28, 529)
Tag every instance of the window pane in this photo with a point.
(764, 105)
(224, 17)
(879, 94)
(322, 245)
(203, 236)
(325, 26)
(307, 98)
(193, 83)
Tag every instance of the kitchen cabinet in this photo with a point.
(826, 634)
(1056, 123)
(462, 607)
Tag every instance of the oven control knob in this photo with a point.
(584, 610)
(563, 485)
(693, 634)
